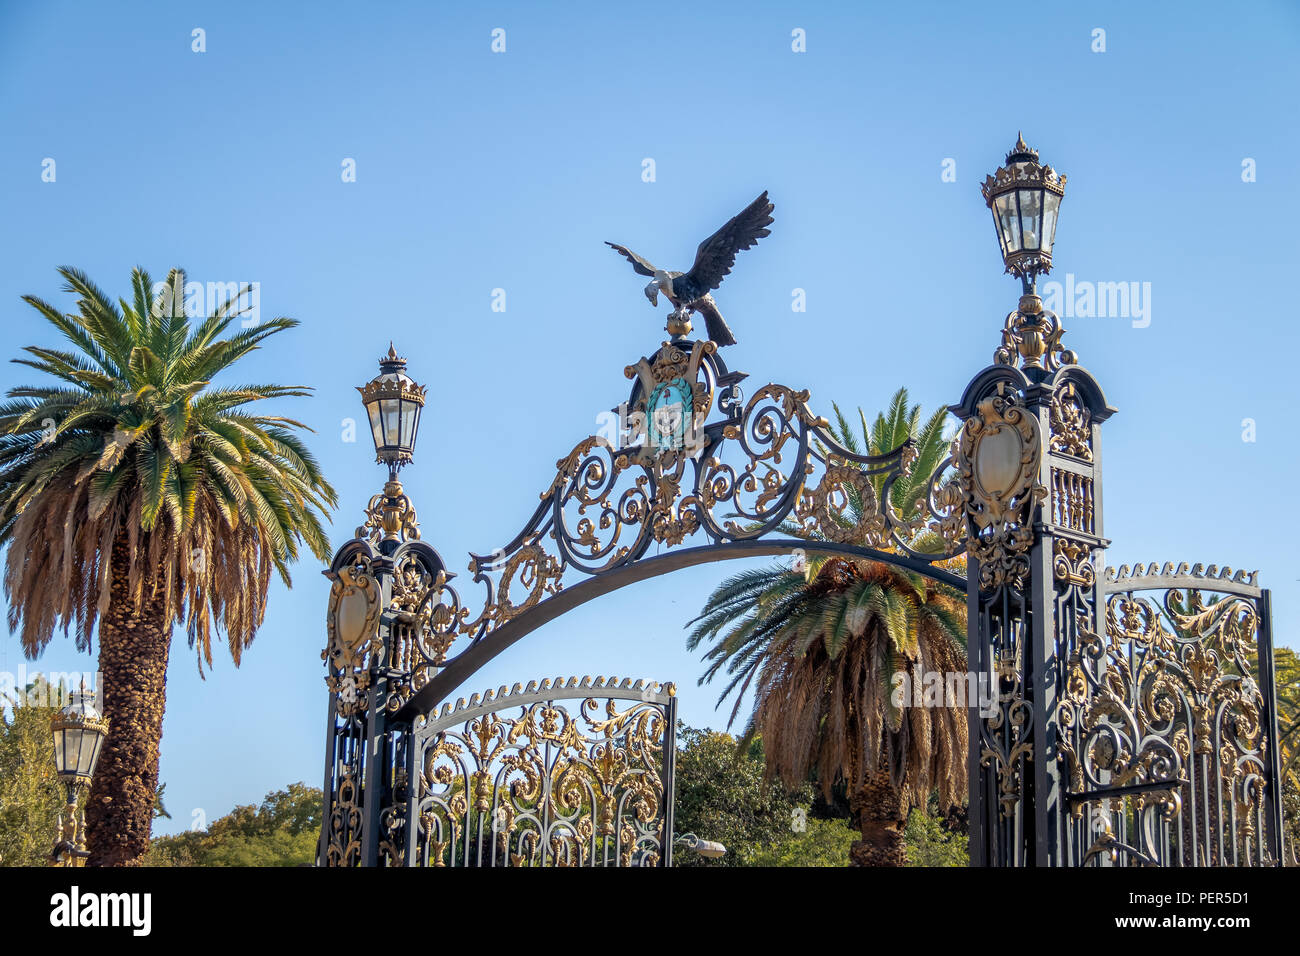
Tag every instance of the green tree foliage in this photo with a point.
(822, 843)
(31, 796)
(282, 831)
(721, 796)
(930, 843)
(1291, 821)
(1286, 677)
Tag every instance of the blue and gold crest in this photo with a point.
(671, 401)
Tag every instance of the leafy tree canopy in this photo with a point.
(282, 831)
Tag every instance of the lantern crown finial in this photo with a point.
(1022, 152)
(392, 362)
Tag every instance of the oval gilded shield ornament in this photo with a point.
(353, 615)
(998, 460)
(999, 457)
(1002, 447)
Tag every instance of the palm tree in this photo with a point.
(135, 495)
(822, 645)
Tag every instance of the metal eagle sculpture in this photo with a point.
(689, 291)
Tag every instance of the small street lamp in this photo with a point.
(1025, 199)
(705, 848)
(78, 731)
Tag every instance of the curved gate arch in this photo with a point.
(688, 464)
(685, 458)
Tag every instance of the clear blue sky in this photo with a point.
(478, 171)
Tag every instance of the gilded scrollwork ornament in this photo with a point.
(390, 516)
(1072, 563)
(1032, 335)
(425, 616)
(1007, 735)
(843, 492)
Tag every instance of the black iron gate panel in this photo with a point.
(1168, 724)
(518, 779)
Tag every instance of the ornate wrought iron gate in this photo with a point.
(1080, 763)
(1115, 738)
(519, 779)
(1168, 724)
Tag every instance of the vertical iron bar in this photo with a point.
(670, 781)
(1268, 687)
(327, 790)
(977, 642)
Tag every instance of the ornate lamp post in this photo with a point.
(1029, 459)
(372, 623)
(78, 731)
(393, 403)
(1025, 199)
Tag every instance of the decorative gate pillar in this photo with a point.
(1029, 459)
(387, 623)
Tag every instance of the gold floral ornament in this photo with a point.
(998, 462)
(1071, 424)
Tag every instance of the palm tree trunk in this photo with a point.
(133, 647)
(881, 814)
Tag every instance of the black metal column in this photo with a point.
(1036, 543)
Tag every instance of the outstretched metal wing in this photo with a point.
(717, 254)
(640, 265)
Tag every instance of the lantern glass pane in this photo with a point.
(96, 743)
(60, 751)
(391, 411)
(1008, 222)
(410, 420)
(1051, 203)
(376, 427)
(1031, 217)
(85, 751)
(997, 227)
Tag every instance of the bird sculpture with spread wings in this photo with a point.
(689, 291)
